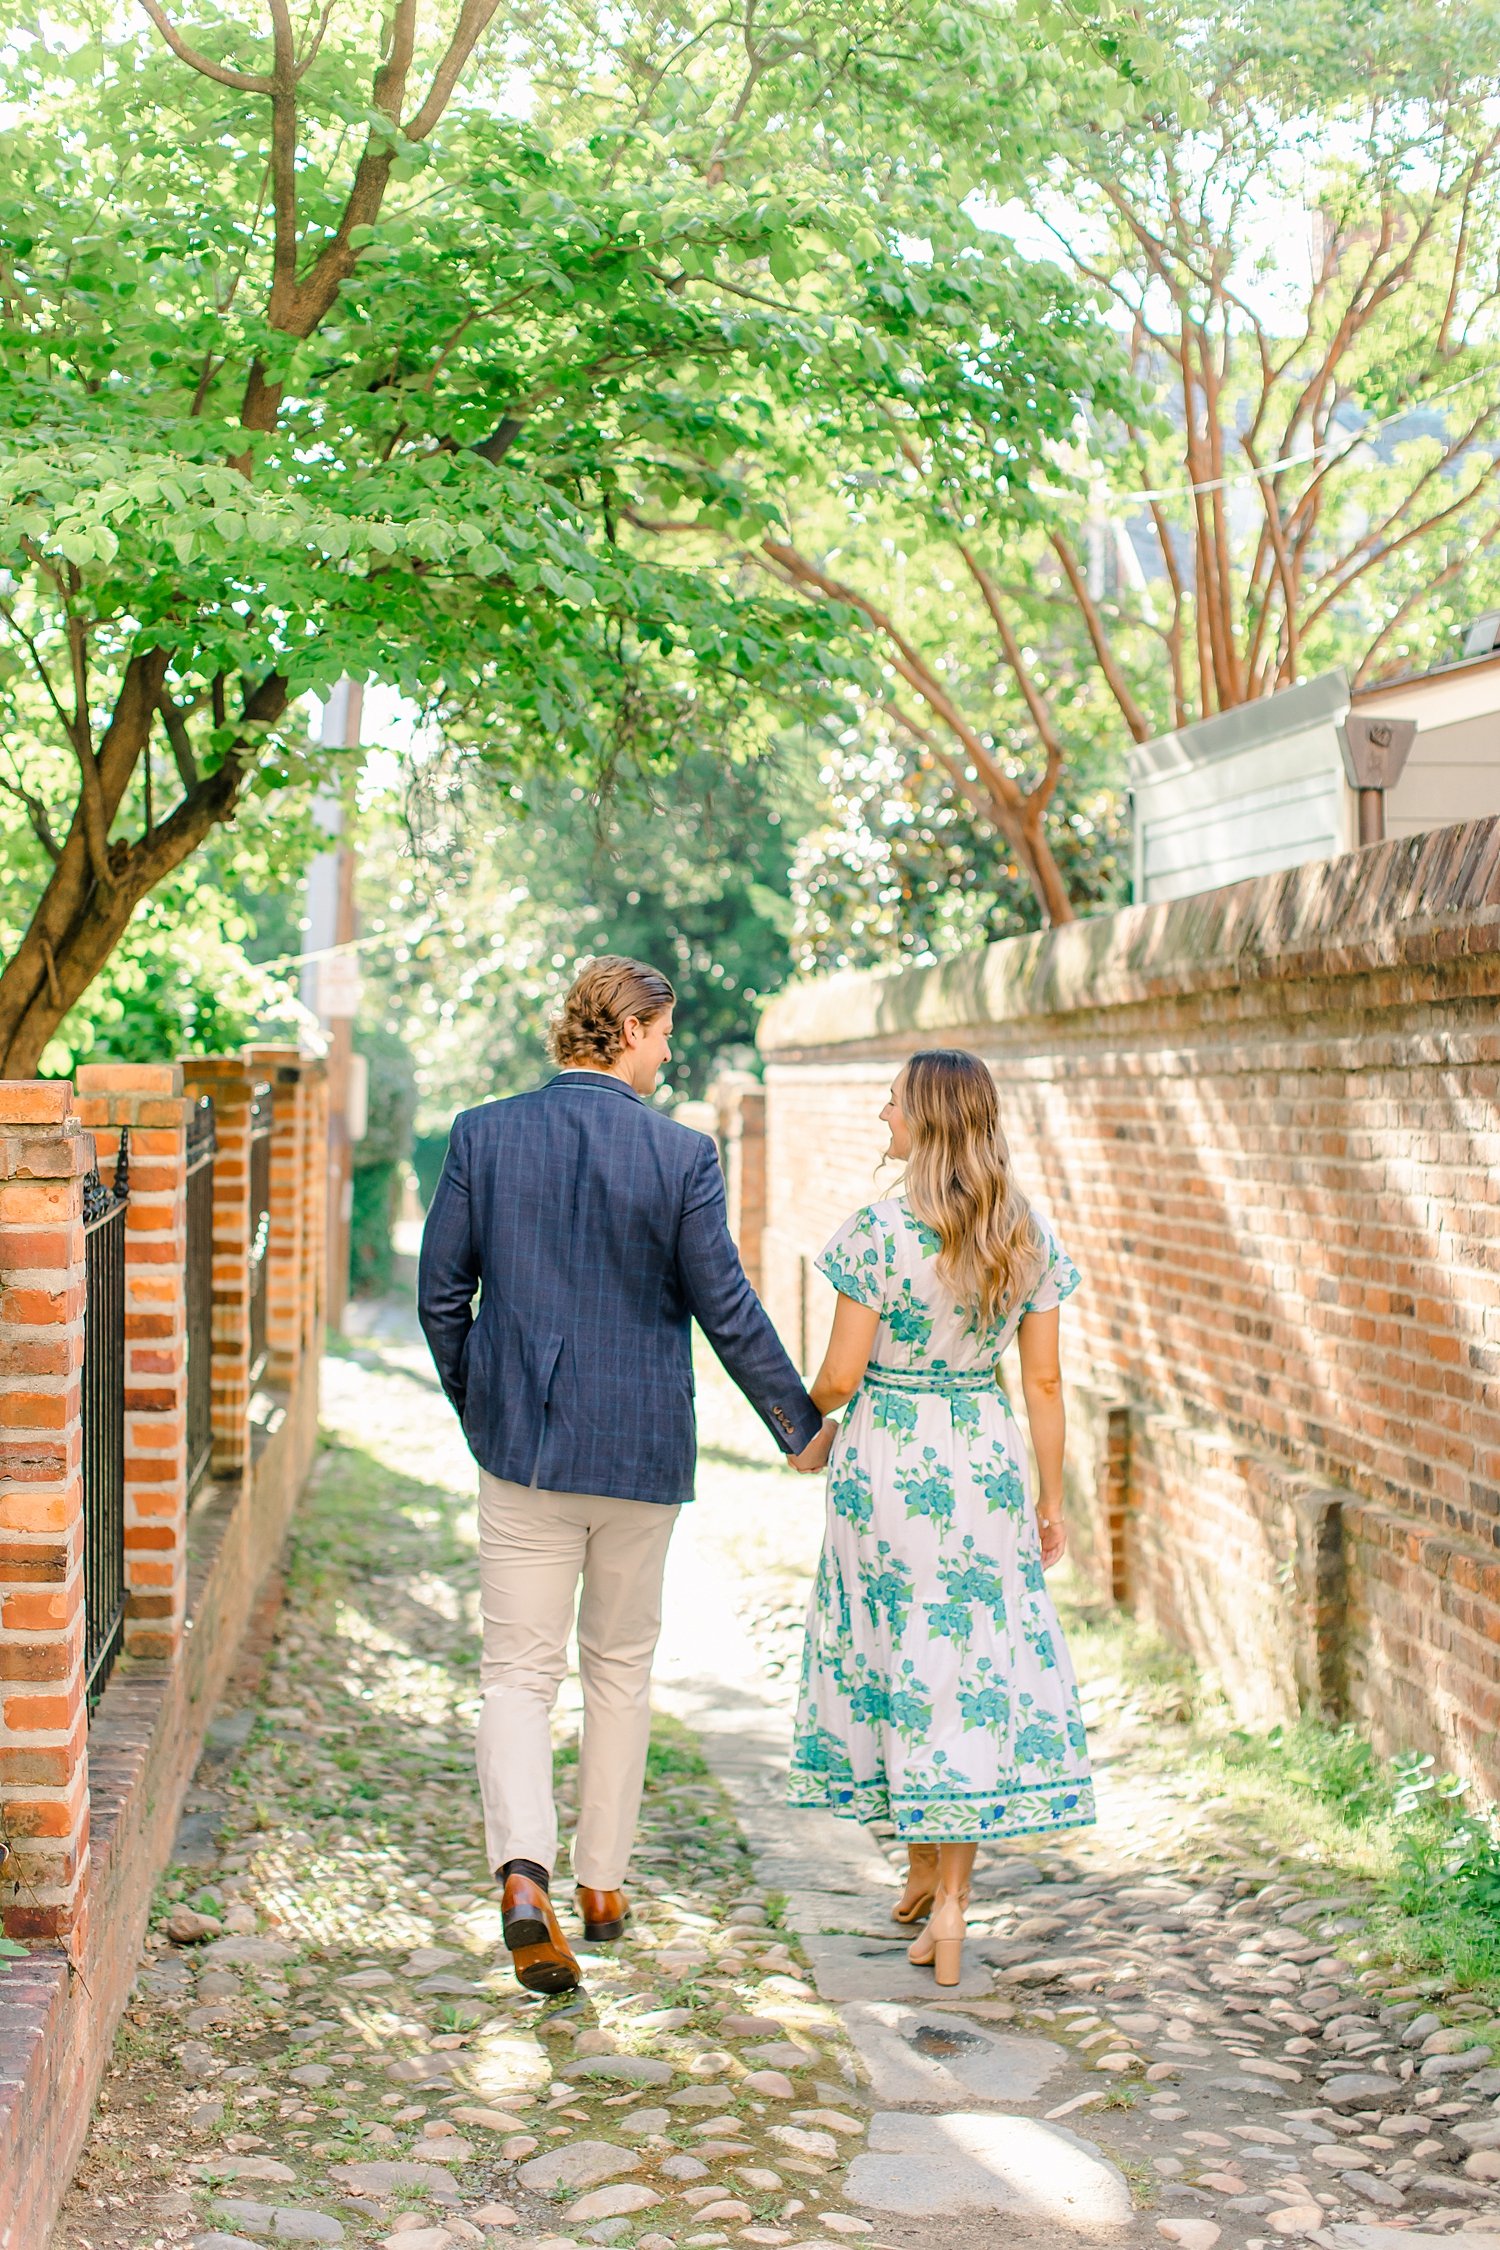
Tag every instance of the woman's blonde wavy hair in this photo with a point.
(958, 1181)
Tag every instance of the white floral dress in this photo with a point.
(937, 1693)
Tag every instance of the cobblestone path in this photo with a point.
(1158, 2040)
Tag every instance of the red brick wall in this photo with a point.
(88, 1805)
(44, 1809)
(1267, 1124)
(145, 1100)
(232, 1085)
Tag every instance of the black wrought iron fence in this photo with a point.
(260, 1226)
(201, 1147)
(104, 1418)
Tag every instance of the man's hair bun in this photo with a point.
(589, 1027)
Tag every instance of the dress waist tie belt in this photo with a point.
(952, 1382)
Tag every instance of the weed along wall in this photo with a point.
(1266, 1121)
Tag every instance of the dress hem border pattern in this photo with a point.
(986, 1817)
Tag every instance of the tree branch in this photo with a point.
(91, 806)
(1174, 636)
(317, 292)
(180, 741)
(1423, 591)
(473, 22)
(1277, 537)
(283, 164)
(500, 440)
(1010, 809)
(755, 64)
(909, 662)
(1377, 533)
(243, 81)
(1134, 717)
(308, 55)
(1416, 531)
(36, 814)
(1036, 702)
(42, 673)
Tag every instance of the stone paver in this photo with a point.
(935, 2055)
(282, 2224)
(1160, 2037)
(876, 1968)
(325, 2043)
(979, 2162)
(582, 2165)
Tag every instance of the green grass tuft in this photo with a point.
(1431, 1857)
(673, 1755)
(1425, 1859)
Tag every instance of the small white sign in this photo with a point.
(339, 987)
(357, 1100)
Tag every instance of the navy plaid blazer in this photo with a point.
(593, 1229)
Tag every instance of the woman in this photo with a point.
(936, 1689)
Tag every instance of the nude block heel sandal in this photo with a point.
(915, 1901)
(941, 1945)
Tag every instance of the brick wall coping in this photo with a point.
(129, 1078)
(1413, 900)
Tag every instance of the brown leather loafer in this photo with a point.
(605, 1914)
(540, 1954)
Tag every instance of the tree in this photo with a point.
(942, 435)
(1306, 260)
(316, 359)
(1305, 475)
(479, 905)
(202, 966)
(902, 870)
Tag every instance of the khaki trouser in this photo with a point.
(534, 1547)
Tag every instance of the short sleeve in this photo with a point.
(859, 1259)
(1059, 1277)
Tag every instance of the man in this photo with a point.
(593, 1228)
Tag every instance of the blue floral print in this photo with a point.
(849, 1493)
(908, 1319)
(894, 1410)
(1001, 1481)
(927, 1487)
(887, 1589)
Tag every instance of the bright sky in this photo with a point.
(1277, 233)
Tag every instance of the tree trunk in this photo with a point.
(79, 921)
(87, 903)
(1047, 878)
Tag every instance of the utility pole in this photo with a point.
(331, 986)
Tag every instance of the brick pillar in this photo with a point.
(740, 1101)
(1114, 1498)
(285, 1067)
(315, 1177)
(232, 1086)
(44, 1155)
(147, 1099)
(1319, 1600)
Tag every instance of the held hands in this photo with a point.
(814, 1456)
(1054, 1536)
